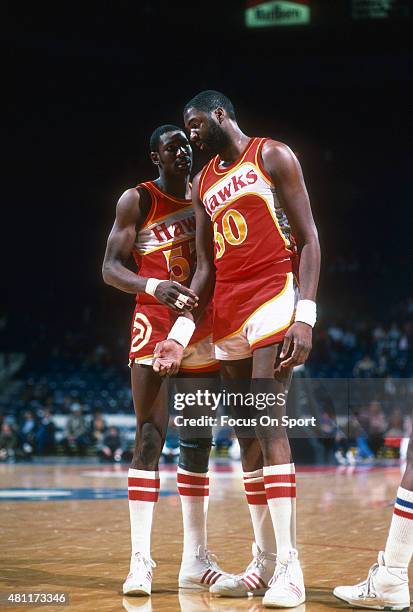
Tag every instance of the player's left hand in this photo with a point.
(167, 357)
(297, 344)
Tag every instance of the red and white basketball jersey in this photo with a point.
(165, 245)
(251, 230)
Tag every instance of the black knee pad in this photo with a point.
(194, 454)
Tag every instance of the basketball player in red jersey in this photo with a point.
(155, 223)
(253, 219)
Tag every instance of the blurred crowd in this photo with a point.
(37, 432)
(61, 393)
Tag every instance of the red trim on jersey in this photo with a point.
(221, 171)
(168, 196)
(148, 496)
(259, 160)
(202, 177)
(147, 185)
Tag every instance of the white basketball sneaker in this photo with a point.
(386, 588)
(139, 580)
(254, 580)
(203, 572)
(287, 585)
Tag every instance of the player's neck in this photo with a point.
(237, 143)
(174, 186)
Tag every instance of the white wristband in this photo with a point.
(306, 312)
(151, 285)
(182, 331)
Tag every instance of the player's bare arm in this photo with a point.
(203, 281)
(285, 171)
(168, 354)
(130, 216)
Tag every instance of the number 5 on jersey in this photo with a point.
(178, 264)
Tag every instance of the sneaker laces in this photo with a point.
(206, 555)
(257, 563)
(211, 559)
(366, 587)
(281, 569)
(147, 561)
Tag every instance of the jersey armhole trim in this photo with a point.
(202, 178)
(259, 161)
(152, 209)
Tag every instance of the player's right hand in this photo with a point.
(177, 297)
(167, 357)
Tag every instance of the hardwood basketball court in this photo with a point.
(65, 528)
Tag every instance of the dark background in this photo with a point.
(85, 85)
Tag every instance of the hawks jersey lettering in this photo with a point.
(251, 230)
(165, 245)
(165, 249)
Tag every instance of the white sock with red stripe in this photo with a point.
(143, 493)
(259, 511)
(279, 482)
(193, 490)
(399, 545)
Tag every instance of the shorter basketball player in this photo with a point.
(387, 583)
(155, 223)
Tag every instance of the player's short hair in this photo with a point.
(208, 100)
(156, 134)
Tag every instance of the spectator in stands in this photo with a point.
(8, 442)
(395, 427)
(77, 438)
(97, 431)
(365, 368)
(377, 425)
(112, 448)
(26, 434)
(45, 434)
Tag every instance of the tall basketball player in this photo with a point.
(155, 223)
(387, 583)
(253, 219)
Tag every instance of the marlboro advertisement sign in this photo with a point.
(277, 13)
